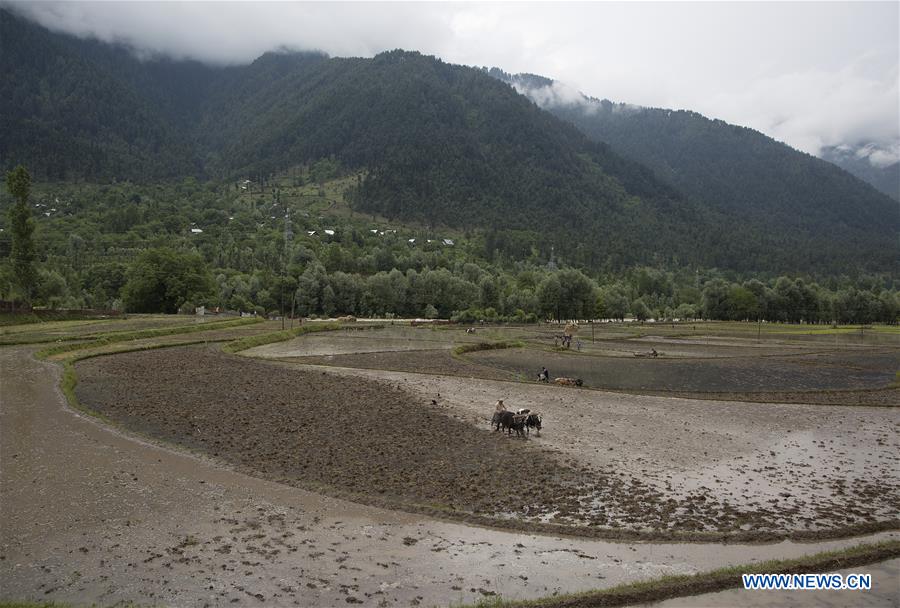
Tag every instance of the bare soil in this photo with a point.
(141, 523)
(885, 397)
(809, 470)
(705, 377)
(374, 441)
(440, 362)
(317, 430)
(92, 515)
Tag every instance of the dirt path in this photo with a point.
(92, 516)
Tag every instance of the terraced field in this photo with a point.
(397, 419)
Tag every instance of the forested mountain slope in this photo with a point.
(66, 115)
(885, 179)
(435, 144)
(790, 200)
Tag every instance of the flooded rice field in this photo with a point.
(801, 372)
(361, 467)
(418, 439)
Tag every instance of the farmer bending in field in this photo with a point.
(500, 407)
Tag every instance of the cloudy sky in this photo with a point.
(811, 74)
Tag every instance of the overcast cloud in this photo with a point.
(810, 74)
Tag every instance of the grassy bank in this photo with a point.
(707, 582)
(48, 316)
(277, 336)
(94, 342)
(472, 348)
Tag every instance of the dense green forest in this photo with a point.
(781, 199)
(434, 143)
(295, 243)
(885, 179)
(442, 146)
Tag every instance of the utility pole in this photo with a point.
(288, 237)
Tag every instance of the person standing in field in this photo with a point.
(498, 411)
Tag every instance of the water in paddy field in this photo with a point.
(720, 374)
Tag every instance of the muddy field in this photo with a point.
(366, 438)
(52, 330)
(440, 362)
(785, 369)
(737, 374)
(422, 443)
(391, 418)
(144, 524)
(803, 467)
(376, 340)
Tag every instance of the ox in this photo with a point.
(511, 422)
(568, 381)
(531, 421)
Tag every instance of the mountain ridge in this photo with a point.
(734, 170)
(432, 142)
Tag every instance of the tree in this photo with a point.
(379, 296)
(104, 281)
(567, 294)
(489, 295)
(685, 311)
(612, 303)
(520, 301)
(578, 294)
(161, 280)
(22, 252)
(329, 302)
(742, 304)
(762, 294)
(715, 299)
(549, 295)
(640, 310)
(347, 290)
(791, 301)
(52, 288)
(889, 307)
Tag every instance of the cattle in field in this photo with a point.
(511, 422)
(568, 381)
(533, 421)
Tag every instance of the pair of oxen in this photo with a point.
(522, 421)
